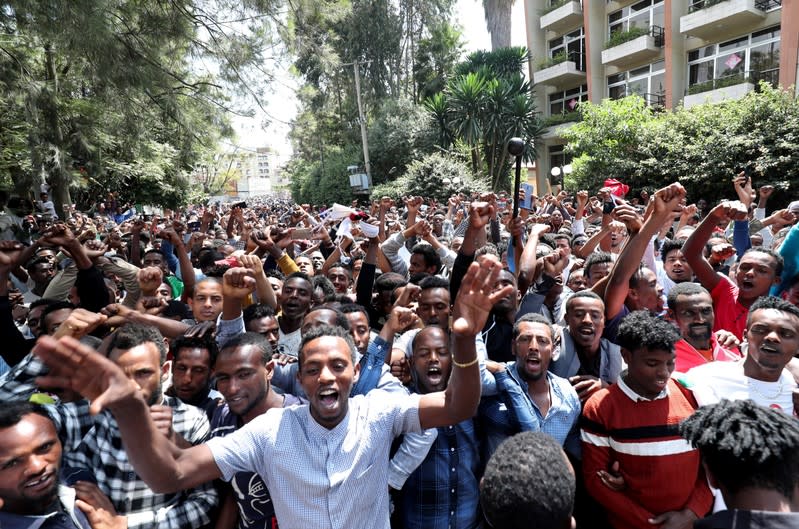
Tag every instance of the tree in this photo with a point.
(702, 147)
(102, 84)
(435, 176)
(436, 57)
(498, 21)
(489, 103)
(403, 47)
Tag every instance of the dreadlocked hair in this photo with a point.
(745, 445)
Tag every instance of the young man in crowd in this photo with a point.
(528, 484)
(243, 370)
(530, 397)
(192, 362)
(442, 492)
(691, 309)
(93, 449)
(583, 356)
(758, 270)
(31, 492)
(751, 454)
(772, 340)
(634, 423)
(337, 485)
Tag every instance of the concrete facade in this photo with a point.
(676, 52)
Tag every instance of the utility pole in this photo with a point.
(362, 119)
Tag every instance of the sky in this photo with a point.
(282, 106)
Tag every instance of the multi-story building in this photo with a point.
(670, 52)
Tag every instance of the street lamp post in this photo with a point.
(559, 173)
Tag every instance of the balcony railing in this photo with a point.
(763, 5)
(575, 56)
(619, 38)
(771, 76)
(655, 101)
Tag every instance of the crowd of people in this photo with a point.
(598, 360)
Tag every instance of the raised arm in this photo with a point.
(667, 200)
(695, 245)
(162, 465)
(475, 299)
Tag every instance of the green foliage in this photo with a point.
(563, 117)
(426, 178)
(505, 62)
(102, 95)
(435, 59)
(325, 181)
(406, 50)
(400, 133)
(620, 37)
(702, 147)
(721, 82)
(489, 103)
(548, 62)
(552, 6)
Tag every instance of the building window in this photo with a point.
(570, 47)
(641, 15)
(557, 158)
(567, 101)
(646, 81)
(753, 57)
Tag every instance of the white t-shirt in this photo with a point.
(714, 381)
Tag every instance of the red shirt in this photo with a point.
(688, 356)
(730, 314)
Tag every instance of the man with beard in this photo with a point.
(772, 340)
(758, 270)
(295, 300)
(583, 356)
(324, 462)
(691, 309)
(443, 491)
(30, 462)
(531, 398)
(243, 372)
(93, 449)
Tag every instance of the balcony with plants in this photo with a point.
(560, 69)
(729, 87)
(633, 45)
(715, 19)
(561, 15)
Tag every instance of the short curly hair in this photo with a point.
(745, 445)
(528, 484)
(640, 329)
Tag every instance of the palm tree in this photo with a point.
(467, 98)
(498, 15)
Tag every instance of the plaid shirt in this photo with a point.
(94, 444)
(442, 492)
